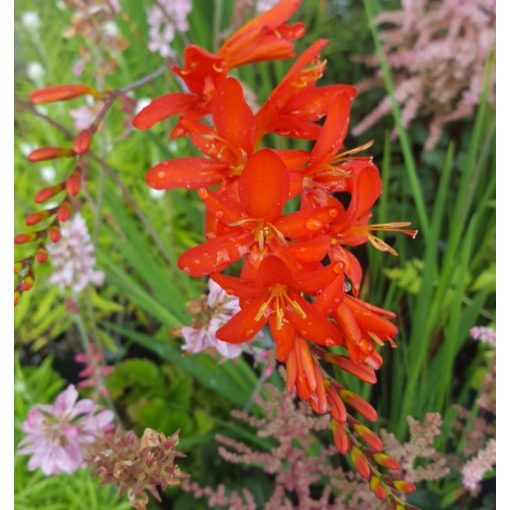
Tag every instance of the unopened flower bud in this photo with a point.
(54, 233)
(56, 93)
(64, 211)
(46, 153)
(360, 404)
(73, 182)
(360, 462)
(45, 194)
(386, 461)
(81, 143)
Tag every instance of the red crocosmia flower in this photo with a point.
(296, 103)
(227, 146)
(353, 229)
(329, 170)
(263, 190)
(275, 296)
(362, 325)
(202, 72)
(266, 37)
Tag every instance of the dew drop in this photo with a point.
(250, 332)
(161, 174)
(333, 213)
(347, 286)
(313, 224)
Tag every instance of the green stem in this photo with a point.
(405, 143)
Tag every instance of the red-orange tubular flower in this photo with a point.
(299, 276)
(267, 37)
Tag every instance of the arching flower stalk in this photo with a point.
(48, 222)
(298, 275)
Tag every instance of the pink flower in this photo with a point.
(83, 116)
(169, 17)
(55, 434)
(73, 258)
(95, 369)
(485, 335)
(474, 470)
(214, 311)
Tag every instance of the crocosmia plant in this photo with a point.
(287, 205)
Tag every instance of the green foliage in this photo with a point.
(159, 397)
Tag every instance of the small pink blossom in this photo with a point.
(484, 334)
(265, 5)
(83, 116)
(95, 369)
(214, 311)
(55, 433)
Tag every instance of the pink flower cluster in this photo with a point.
(165, 19)
(484, 334)
(73, 257)
(437, 52)
(56, 434)
(476, 468)
(95, 369)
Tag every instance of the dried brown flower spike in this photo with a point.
(136, 465)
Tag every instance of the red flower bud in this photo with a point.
(340, 437)
(404, 486)
(27, 283)
(360, 462)
(48, 192)
(73, 183)
(377, 487)
(338, 410)
(26, 237)
(45, 153)
(55, 234)
(37, 217)
(81, 143)
(41, 255)
(359, 370)
(56, 93)
(64, 211)
(369, 437)
(360, 404)
(386, 461)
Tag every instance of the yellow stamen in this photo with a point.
(279, 298)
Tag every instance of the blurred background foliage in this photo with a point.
(441, 285)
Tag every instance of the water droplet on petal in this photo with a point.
(313, 224)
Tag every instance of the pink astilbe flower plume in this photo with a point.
(475, 469)
(165, 19)
(95, 369)
(73, 258)
(56, 434)
(437, 52)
